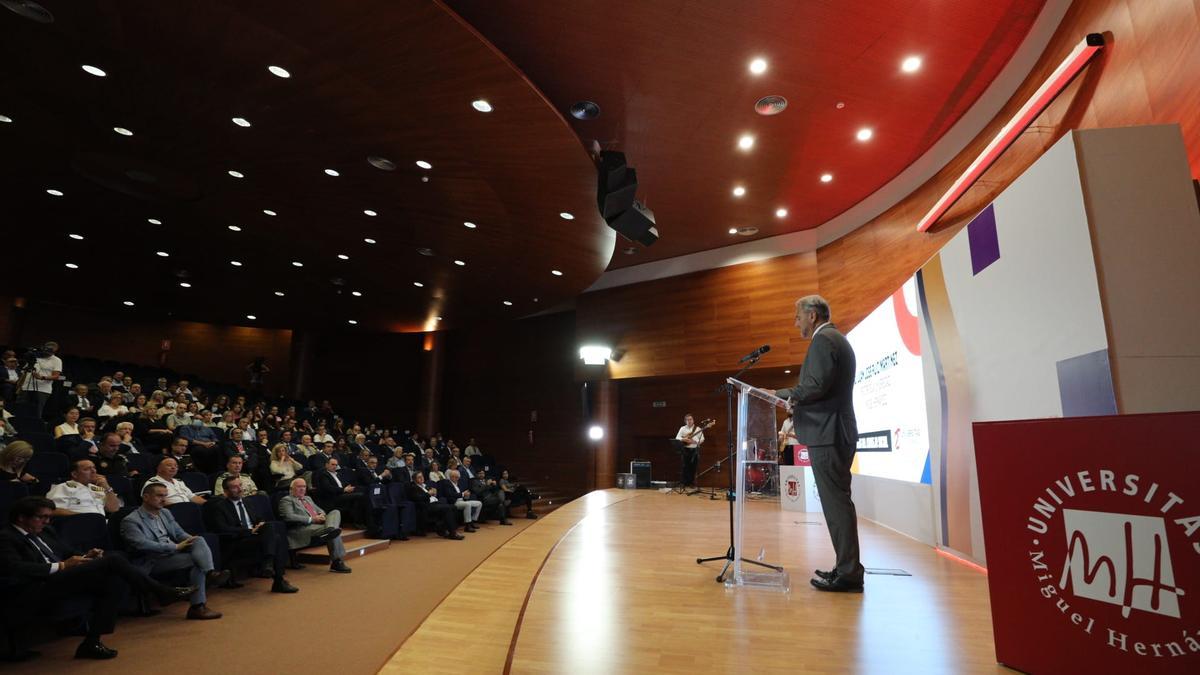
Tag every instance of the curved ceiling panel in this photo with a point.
(379, 78)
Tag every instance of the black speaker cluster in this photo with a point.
(616, 198)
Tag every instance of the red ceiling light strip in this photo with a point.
(1050, 89)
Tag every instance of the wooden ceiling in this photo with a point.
(672, 81)
(386, 78)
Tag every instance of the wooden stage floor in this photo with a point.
(610, 584)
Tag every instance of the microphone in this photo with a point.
(756, 354)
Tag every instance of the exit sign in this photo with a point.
(660, 404)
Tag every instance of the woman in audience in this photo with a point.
(70, 425)
(340, 447)
(138, 403)
(435, 473)
(283, 467)
(13, 458)
(150, 427)
(515, 495)
(322, 435)
(114, 407)
(228, 421)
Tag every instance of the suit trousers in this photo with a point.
(268, 544)
(106, 581)
(337, 549)
(471, 508)
(831, 471)
(196, 559)
(691, 457)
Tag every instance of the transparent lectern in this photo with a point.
(756, 526)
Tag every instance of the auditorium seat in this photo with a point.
(40, 440)
(84, 531)
(49, 467)
(197, 482)
(10, 492)
(124, 489)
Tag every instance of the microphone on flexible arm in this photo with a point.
(756, 354)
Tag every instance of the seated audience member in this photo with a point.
(286, 438)
(184, 390)
(132, 391)
(233, 469)
(431, 509)
(373, 473)
(6, 429)
(488, 493)
(309, 521)
(435, 472)
(317, 461)
(11, 378)
(468, 469)
(178, 450)
(322, 436)
(426, 460)
(114, 407)
(13, 458)
(102, 394)
(70, 425)
(248, 535)
(331, 493)
(109, 459)
(177, 491)
(179, 416)
(86, 492)
(149, 426)
(283, 466)
(86, 443)
(129, 444)
(306, 447)
(396, 461)
(118, 381)
(450, 493)
(516, 495)
(358, 445)
(40, 570)
(158, 545)
(360, 460)
(201, 433)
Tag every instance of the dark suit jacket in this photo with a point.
(73, 401)
(325, 490)
(221, 517)
(823, 400)
(20, 561)
(446, 493)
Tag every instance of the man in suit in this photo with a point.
(334, 493)
(308, 521)
(82, 400)
(158, 545)
(488, 493)
(38, 570)
(450, 493)
(372, 473)
(430, 508)
(823, 419)
(248, 535)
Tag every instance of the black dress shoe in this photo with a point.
(827, 576)
(456, 536)
(506, 521)
(282, 586)
(531, 515)
(94, 649)
(836, 585)
(340, 566)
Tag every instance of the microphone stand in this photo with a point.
(730, 495)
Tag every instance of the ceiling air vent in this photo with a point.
(770, 105)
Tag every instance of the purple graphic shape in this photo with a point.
(983, 240)
(1085, 385)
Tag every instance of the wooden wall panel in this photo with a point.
(370, 376)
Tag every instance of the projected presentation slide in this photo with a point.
(889, 390)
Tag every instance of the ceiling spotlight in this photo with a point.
(481, 105)
(418, 284)
(758, 66)
(279, 293)
(864, 134)
(72, 266)
(128, 303)
(162, 254)
(343, 256)
(469, 225)
(911, 65)
(54, 193)
(357, 294)
(297, 263)
(739, 191)
(381, 163)
(154, 221)
(733, 230)
(424, 179)
(241, 121)
(459, 263)
(251, 317)
(352, 322)
(93, 70)
(566, 216)
(269, 212)
(332, 172)
(279, 72)
(746, 142)
(369, 240)
(423, 164)
(438, 318)
(123, 131)
(236, 174)
(5, 119)
(507, 303)
(77, 237)
(234, 228)
(235, 263)
(369, 212)
(184, 284)
(826, 177)
(787, 372)
(556, 273)
(781, 213)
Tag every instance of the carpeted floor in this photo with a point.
(343, 623)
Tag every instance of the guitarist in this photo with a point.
(691, 437)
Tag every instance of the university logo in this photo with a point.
(793, 488)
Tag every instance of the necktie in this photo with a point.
(312, 512)
(244, 516)
(43, 548)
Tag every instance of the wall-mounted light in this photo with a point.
(595, 355)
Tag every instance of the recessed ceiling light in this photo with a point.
(78, 237)
(381, 163)
(251, 317)
(864, 134)
(911, 65)
(297, 263)
(343, 256)
(787, 372)
(128, 303)
(72, 266)
(236, 174)
(154, 221)
(235, 263)
(123, 131)
(459, 263)
(481, 105)
(566, 216)
(54, 193)
(5, 119)
(93, 70)
(269, 212)
(826, 177)
(739, 191)
(469, 224)
(424, 179)
(279, 72)
(369, 240)
(234, 228)
(781, 213)
(279, 293)
(733, 230)
(241, 121)
(369, 212)
(418, 284)
(162, 254)
(357, 294)
(438, 318)
(507, 303)
(556, 273)
(184, 284)
(746, 142)
(758, 66)
(423, 164)
(352, 322)
(332, 172)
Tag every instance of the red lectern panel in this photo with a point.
(1092, 529)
